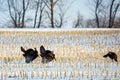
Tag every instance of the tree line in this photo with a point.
(53, 13)
(107, 13)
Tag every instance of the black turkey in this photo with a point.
(29, 54)
(111, 55)
(46, 55)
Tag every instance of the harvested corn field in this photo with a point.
(79, 54)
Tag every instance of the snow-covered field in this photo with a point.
(79, 54)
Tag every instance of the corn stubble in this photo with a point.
(79, 54)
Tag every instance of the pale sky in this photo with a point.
(83, 7)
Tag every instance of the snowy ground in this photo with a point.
(78, 53)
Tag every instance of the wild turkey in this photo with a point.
(111, 55)
(46, 55)
(29, 54)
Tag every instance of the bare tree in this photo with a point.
(40, 6)
(97, 11)
(105, 12)
(79, 22)
(61, 10)
(61, 15)
(17, 14)
(97, 7)
(10, 12)
(113, 11)
(51, 4)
